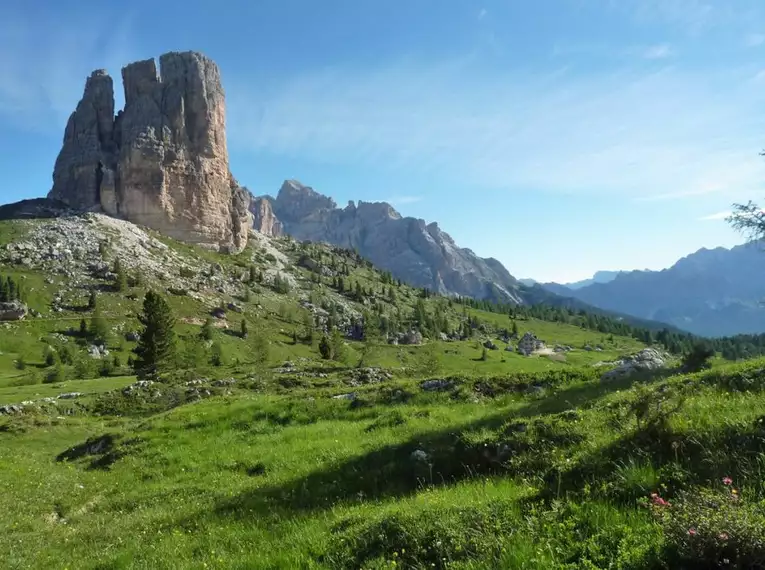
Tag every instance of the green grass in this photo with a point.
(524, 462)
(319, 483)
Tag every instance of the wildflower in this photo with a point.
(691, 531)
(658, 501)
(727, 481)
(723, 536)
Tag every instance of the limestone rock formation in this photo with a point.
(263, 218)
(419, 253)
(162, 161)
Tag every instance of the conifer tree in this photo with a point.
(156, 347)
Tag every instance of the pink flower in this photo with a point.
(727, 481)
(691, 531)
(657, 500)
(723, 536)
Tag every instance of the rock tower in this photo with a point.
(161, 162)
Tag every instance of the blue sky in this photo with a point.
(559, 136)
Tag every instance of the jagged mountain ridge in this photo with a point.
(417, 252)
(712, 292)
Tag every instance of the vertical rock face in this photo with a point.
(163, 161)
(263, 218)
(88, 145)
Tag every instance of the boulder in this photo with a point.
(13, 311)
(646, 359)
(437, 385)
(410, 337)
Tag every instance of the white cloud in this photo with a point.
(717, 216)
(482, 13)
(754, 40)
(636, 133)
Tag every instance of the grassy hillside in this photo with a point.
(441, 455)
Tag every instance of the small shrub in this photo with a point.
(712, 529)
(58, 374)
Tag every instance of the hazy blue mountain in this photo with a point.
(715, 292)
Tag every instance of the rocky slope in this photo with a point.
(716, 292)
(161, 162)
(412, 250)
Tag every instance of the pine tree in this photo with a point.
(83, 328)
(156, 347)
(208, 331)
(325, 348)
(243, 329)
(99, 329)
(216, 354)
(92, 300)
(12, 290)
(120, 280)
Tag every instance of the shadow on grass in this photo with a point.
(437, 458)
(103, 451)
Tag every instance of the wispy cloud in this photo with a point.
(482, 13)
(45, 59)
(718, 216)
(638, 133)
(660, 51)
(754, 40)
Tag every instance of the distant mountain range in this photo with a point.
(599, 277)
(717, 292)
(415, 251)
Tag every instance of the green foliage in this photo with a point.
(698, 358)
(325, 348)
(243, 329)
(56, 375)
(156, 347)
(281, 284)
(105, 367)
(217, 356)
(10, 290)
(49, 356)
(120, 277)
(208, 330)
(428, 361)
(713, 528)
(99, 328)
(83, 367)
(260, 351)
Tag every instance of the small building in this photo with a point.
(529, 343)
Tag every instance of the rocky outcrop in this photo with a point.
(263, 218)
(412, 250)
(162, 162)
